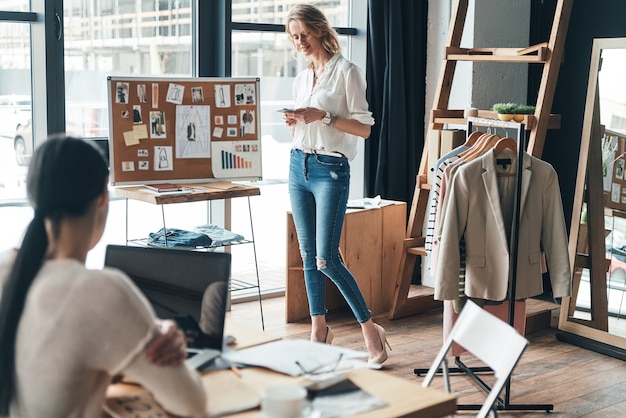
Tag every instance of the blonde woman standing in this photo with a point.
(331, 114)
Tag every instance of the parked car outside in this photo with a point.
(23, 144)
(15, 112)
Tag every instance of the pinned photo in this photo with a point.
(175, 93)
(232, 119)
(245, 94)
(222, 95)
(192, 131)
(219, 120)
(619, 170)
(155, 95)
(128, 166)
(137, 114)
(157, 124)
(141, 93)
(163, 159)
(247, 122)
(121, 92)
(231, 132)
(197, 96)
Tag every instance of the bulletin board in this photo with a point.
(183, 129)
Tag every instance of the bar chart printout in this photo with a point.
(236, 157)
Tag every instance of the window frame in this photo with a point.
(47, 66)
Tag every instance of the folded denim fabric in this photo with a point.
(218, 235)
(178, 238)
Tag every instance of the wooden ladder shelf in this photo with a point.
(412, 299)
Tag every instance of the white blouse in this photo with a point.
(340, 90)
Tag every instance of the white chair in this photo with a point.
(491, 340)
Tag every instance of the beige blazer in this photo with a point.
(474, 212)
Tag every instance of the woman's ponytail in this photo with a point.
(27, 263)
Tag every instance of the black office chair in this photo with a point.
(173, 280)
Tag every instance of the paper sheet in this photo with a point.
(368, 203)
(233, 396)
(295, 356)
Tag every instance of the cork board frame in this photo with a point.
(183, 129)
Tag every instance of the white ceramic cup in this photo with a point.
(283, 401)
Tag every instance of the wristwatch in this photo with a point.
(327, 119)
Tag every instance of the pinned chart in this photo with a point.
(235, 158)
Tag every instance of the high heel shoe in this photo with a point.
(380, 358)
(329, 336)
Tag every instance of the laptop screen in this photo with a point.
(188, 286)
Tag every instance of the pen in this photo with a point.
(235, 370)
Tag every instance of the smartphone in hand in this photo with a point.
(285, 110)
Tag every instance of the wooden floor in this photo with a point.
(576, 381)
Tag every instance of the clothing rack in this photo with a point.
(501, 404)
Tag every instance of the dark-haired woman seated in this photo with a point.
(65, 331)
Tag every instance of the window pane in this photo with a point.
(15, 5)
(264, 11)
(16, 141)
(112, 37)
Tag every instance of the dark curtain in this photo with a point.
(396, 79)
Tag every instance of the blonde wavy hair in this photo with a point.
(314, 21)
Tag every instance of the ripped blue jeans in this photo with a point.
(318, 189)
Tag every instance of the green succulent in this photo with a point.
(526, 109)
(513, 108)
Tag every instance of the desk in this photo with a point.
(404, 398)
(200, 192)
(206, 191)
(371, 244)
(247, 336)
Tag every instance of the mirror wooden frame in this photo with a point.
(587, 238)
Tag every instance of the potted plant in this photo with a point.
(512, 111)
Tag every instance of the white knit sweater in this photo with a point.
(78, 329)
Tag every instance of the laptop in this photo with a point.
(190, 287)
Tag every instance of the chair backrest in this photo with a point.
(493, 341)
(174, 280)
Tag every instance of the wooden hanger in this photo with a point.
(505, 144)
(479, 142)
(483, 145)
(508, 145)
(472, 138)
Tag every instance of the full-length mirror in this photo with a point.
(595, 315)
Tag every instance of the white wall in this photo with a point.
(504, 24)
